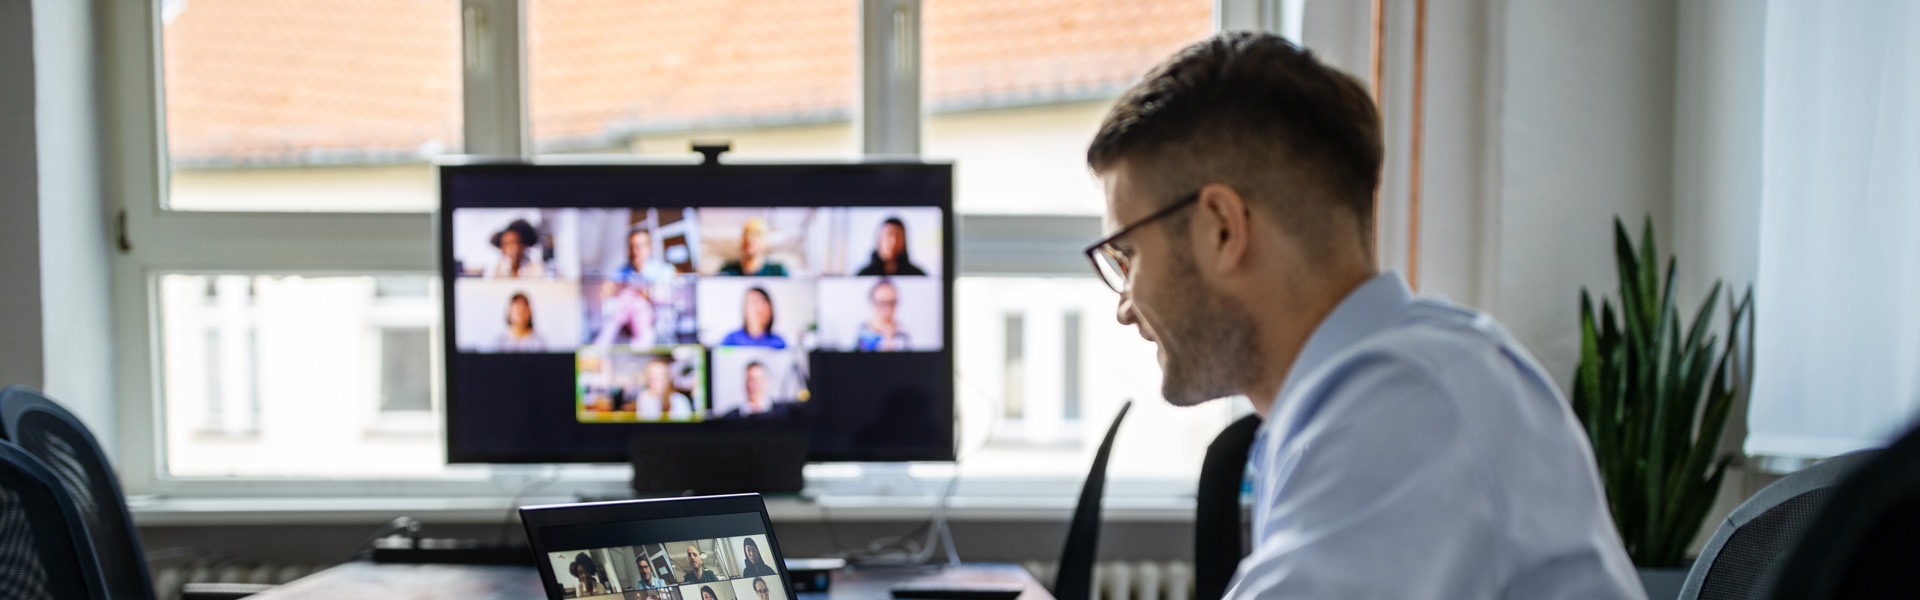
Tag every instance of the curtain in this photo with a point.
(1837, 342)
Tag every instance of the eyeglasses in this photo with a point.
(1114, 265)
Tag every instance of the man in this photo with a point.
(760, 588)
(697, 571)
(753, 254)
(1411, 448)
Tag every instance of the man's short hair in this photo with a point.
(1255, 112)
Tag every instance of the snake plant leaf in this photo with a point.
(1654, 392)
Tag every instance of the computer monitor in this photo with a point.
(588, 304)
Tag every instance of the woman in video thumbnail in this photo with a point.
(753, 566)
(757, 326)
(890, 252)
(753, 254)
(706, 593)
(881, 332)
(659, 398)
(592, 580)
(647, 577)
(515, 260)
(519, 336)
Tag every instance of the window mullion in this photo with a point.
(889, 118)
(494, 75)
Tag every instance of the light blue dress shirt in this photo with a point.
(1417, 451)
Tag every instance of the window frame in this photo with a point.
(155, 240)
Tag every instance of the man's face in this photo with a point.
(760, 589)
(642, 247)
(693, 557)
(757, 397)
(1205, 343)
(753, 240)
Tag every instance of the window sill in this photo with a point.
(188, 512)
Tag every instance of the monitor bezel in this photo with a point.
(450, 168)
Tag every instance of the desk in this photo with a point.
(466, 582)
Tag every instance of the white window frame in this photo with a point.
(155, 240)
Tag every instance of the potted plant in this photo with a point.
(1654, 393)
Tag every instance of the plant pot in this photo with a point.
(1663, 584)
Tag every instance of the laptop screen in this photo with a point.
(709, 557)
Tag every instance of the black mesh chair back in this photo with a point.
(45, 553)
(1749, 548)
(1865, 542)
(1219, 530)
(50, 433)
(1074, 580)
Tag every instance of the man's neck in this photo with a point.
(1288, 336)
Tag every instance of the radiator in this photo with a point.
(168, 580)
(1129, 580)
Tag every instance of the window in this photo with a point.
(649, 77)
(294, 105)
(278, 272)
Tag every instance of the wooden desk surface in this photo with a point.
(467, 582)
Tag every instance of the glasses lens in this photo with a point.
(1113, 268)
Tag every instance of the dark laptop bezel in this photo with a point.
(536, 518)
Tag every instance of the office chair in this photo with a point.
(1219, 533)
(1861, 544)
(44, 549)
(50, 433)
(1744, 554)
(1074, 580)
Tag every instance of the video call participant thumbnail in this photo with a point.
(759, 588)
(513, 315)
(695, 569)
(890, 252)
(617, 385)
(754, 261)
(758, 382)
(759, 242)
(763, 312)
(515, 243)
(585, 574)
(882, 314)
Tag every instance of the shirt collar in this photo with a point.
(1366, 310)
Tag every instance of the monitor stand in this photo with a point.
(709, 462)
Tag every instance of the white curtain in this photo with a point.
(1837, 347)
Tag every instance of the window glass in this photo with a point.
(648, 76)
(1039, 384)
(308, 105)
(272, 375)
(1014, 90)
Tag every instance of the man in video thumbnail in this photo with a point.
(648, 579)
(890, 252)
(753, 254)
(697, 571)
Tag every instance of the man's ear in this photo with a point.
(1224, 228)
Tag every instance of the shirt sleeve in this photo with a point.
(1381, 495)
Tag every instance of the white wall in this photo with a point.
(75, 238)
(1584, 132)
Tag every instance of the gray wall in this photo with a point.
(21, 354)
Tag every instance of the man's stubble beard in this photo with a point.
(1209, 341)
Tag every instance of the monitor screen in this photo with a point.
(588, 304)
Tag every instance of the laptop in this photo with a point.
(699, 548)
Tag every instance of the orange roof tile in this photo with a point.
(295, 81)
